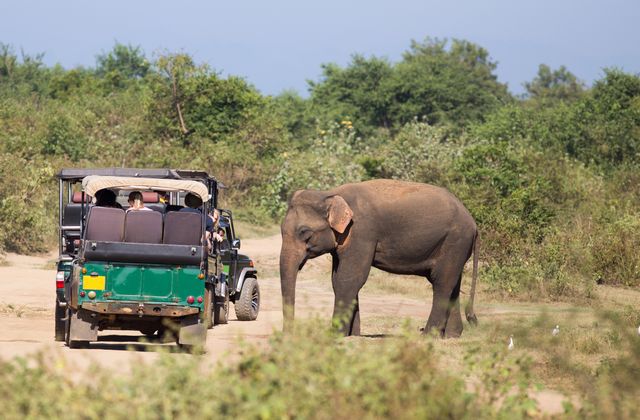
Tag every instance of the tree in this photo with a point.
(293, 110)
(612, 119)
(455, 84)
(558, 84)
(357, 92)
(23, 76)
(188, 98)
(122, 63)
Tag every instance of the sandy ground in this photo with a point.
(27, 296)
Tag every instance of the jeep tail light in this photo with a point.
(199, 299)
(60, 280)
(190, 300)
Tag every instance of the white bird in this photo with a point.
(556, 331)
(638, 330)
(510, 346)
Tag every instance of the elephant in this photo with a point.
(397, 226)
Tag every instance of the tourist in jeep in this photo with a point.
(217, 231)
(193, 204)
(107, 198)
(136, 202)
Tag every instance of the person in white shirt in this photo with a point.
(136, 202)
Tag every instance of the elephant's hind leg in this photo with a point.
(445, 318)
(453, 328)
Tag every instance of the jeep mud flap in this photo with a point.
(193, 331)
(82, 326)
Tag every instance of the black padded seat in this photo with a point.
(143, 227)
(72, 213)
(182, 228)
(105, 224)
(173, 207)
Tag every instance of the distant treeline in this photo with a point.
(551, 177)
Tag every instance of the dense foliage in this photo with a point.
(551, 177)
(314, 374)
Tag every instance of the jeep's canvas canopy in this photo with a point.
(93, 183)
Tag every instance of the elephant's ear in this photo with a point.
(339, 213)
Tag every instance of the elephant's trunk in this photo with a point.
(290, 261)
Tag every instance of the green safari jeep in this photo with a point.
(151, 271)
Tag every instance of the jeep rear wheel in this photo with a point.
(221, 309)
(248, 305)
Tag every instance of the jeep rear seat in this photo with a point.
(105, 224)
(143, 227)
(142, 237)
(182, 228)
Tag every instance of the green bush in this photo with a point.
(326, 164)
(27, 193)
(615, 251)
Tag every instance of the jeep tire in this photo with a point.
(60, 322)
(221, 309)
(248, 304)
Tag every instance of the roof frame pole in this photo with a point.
(213, 190)
(60, 198)
(82, 215)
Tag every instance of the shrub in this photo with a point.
(615, 251)
(419, 152)
(326, 164)
(27, 196)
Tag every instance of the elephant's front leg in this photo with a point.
(346, 318)
(350, 272)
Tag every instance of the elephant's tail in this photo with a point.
(468, 310)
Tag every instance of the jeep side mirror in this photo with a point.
(235, 244)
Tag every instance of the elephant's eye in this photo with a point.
(304, 233)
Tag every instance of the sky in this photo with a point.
(280, 44)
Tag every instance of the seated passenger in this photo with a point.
(194, 204)
(136, 202)
(218, 230)
(107, 198)
(163, 197)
